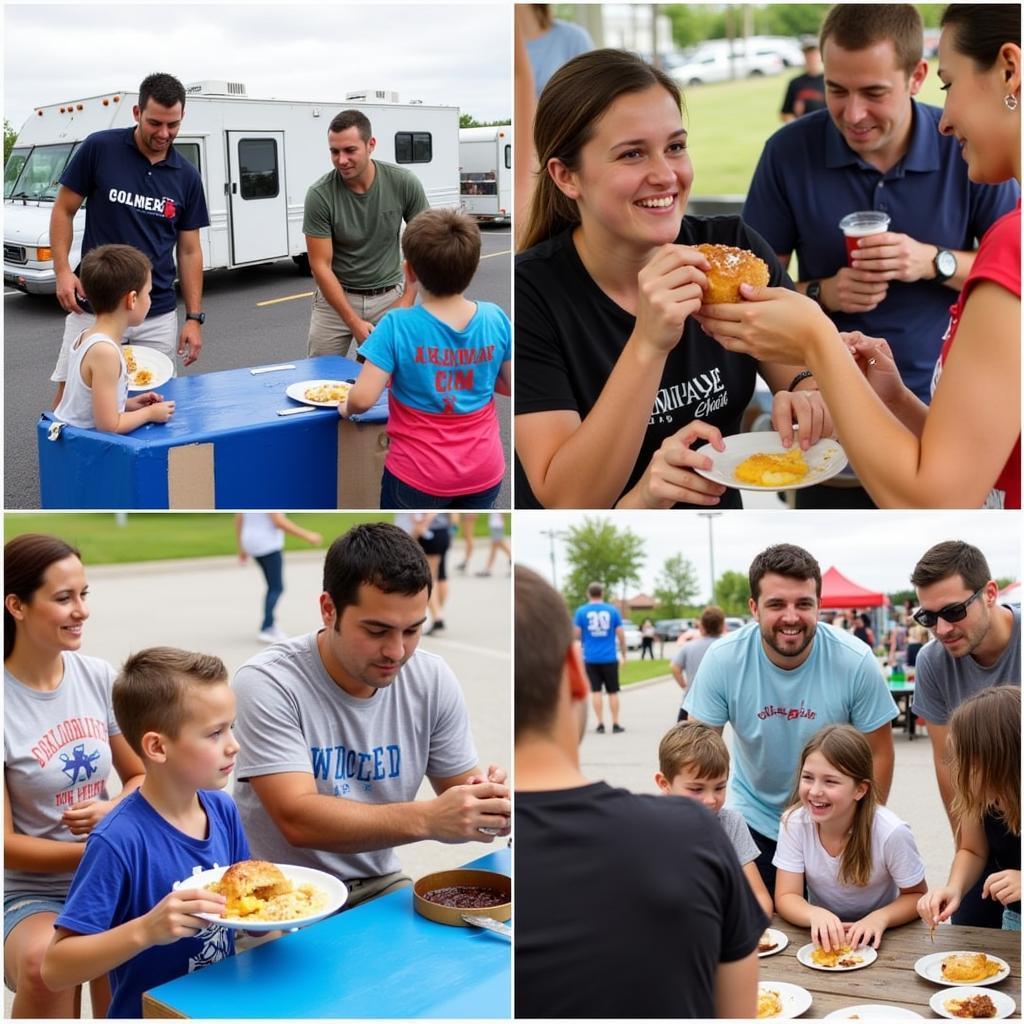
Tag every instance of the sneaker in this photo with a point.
(617, 728)
(272, 635)
(483, 572)
(600, 727)
(461, 567)
(437, 626)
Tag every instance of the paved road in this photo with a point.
(241, 330)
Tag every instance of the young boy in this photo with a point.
(446, 359)
(694, 762)
(117, 280)
(175, 708)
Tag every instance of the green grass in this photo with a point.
(638, 671)
(729, 123)
(158, 535)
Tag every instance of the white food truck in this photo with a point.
(485, 170)
(257, 158)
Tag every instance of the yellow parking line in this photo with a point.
(285, 298)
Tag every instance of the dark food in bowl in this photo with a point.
(467, 897)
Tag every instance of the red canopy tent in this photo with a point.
(839, 592)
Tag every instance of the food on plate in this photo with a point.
(772, 470)
(967, 967)
(140, 378)
(258, 891)
(766, 943)
(731, 267)
(841, 957)
(475, 897)
(333, 392)
(769, 1003)
(129, 359)
(971, 1006)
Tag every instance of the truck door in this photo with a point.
(257, 198)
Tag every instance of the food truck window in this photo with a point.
(413, 147)
(258, 169)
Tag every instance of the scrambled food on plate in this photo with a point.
(773, 470)
(766, 943)
(842, 957)
(769, 1003)
(257, 890)
(129, 358)
(968, 967)
(473, 897)
(140, 378)
(333, 392)
(971, 1006)
(731, 267)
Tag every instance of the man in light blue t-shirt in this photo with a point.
(599, 627)
(780, 679)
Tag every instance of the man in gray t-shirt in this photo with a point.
(976, 644)
(338, 728)
(690, 655)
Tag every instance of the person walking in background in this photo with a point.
(261, 537)
(550, 42)
(806, 92)
(599, 627)
(689, 656)
(862, 629)
(496, 528)
(433, 534)
(647, 634)
(466, 522)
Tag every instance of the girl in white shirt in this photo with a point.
(858, 860)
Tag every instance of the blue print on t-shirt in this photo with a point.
(363, 766)
(79, 761)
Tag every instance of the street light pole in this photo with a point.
(710, 517)
(551, 535)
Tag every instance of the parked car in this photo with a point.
(788, 48)
(669, 629)
(634, 638)
(733, 622)
(718, 64)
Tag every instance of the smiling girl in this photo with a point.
(858, 860)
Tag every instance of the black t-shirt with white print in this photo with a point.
(569, 334)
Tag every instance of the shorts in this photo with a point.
(159, 332)
(1011, 920)
(603, 673)
(395, 493)
(19, 905)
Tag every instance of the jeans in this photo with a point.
(273, 571)
(395, 494)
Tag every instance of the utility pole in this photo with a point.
(551, 535)
(710, 517)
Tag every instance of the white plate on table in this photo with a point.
(298, 391)
(155, 362)
(824, 459)
(867, 954)
(781, 940)
(1003, 1003)
(336, 890)
(930, 968)
(873, 1011)
(795, 1000)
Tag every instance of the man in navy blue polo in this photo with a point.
(142, 193)
(599, 626)
(876, 148)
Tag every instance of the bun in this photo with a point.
(248, 884)
(731, 267)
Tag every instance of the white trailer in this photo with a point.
(256, 157)
(485, 159)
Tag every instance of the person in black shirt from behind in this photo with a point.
(806, 92)
(627, 905)
(614, 379)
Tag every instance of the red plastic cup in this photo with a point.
(856, 226)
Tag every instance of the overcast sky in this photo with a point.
(449, 54)
(878, 550)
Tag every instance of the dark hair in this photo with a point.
(981, 30)
(109, 272)
(784, 560)
(858, 26)
(378, 554)
(543, 637)
(352, 119)
(573, 101)
(595, 589)
(544, 15)
(712, 619)
(951, 558)
(149, 691)
(165, 89)
(443, 249)
(26, 559)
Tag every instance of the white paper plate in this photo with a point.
(873, 1011)
(824, 459)
(149, 359)
(795, 1000)
(781, 938)
(298, 390)
(1003, 1003)
(336, 891)
(930, 968)
(868, 955)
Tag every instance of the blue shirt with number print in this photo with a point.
(597, 623)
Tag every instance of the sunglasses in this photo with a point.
(951, 613)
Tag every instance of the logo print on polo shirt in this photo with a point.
(169, 209)
(158, 207)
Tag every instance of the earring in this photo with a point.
(1010, 101)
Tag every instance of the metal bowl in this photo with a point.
(461, 876)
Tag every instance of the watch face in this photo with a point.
(945, 262)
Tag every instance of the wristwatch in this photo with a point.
(945, 265)
(201, 317)
(814, 292)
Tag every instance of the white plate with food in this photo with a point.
(779, 1000)
(962, 967)
(970, 1003)
(263, 897)
(773, 941)
(758, 462)
(873, 1011)
(324, 393)
(836, 960)
(147, 368)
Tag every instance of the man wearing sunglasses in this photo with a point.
(976, 644)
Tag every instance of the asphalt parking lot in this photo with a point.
(254, 315)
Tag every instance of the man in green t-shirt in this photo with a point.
(352, 222)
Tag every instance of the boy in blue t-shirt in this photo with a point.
(446, 358)
(175, 708)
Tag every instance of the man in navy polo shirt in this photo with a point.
(142, 193)
(876, 148)
(599, 625)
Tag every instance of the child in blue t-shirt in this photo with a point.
(446, 358)
(175, 708)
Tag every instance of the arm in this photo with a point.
(282, 522)
(883, 755)
(826, 928)
(321, 256)
(757, 887)
(243, 555)
(101, 368)
(938, 905)
(736, 989)
(620, 636)
(83, 817)
(190, 276)
(369, 386)
(503, 385)
(62, 230)
(32, 853)
(678, 674)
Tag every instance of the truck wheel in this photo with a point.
(302, 262)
